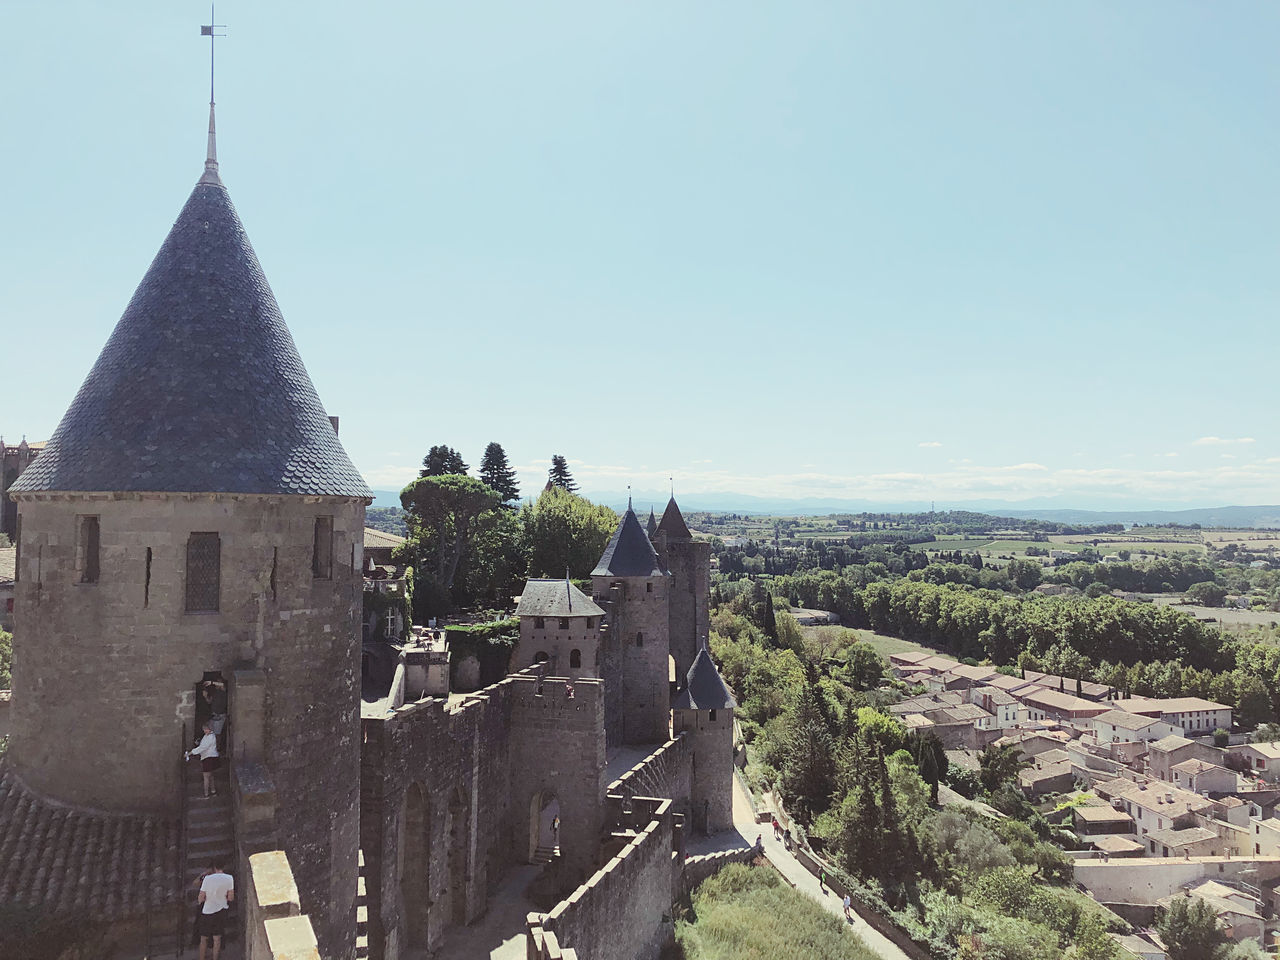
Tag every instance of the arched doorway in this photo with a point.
(458, 842)
(415, 876)
(544, 827)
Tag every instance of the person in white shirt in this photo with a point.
(217, 890)
(207, 751)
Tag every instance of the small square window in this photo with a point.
(539, 623)
(648, 588)
(564, 623)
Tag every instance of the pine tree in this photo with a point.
(498, 474)
(441, 461)
(559, 476)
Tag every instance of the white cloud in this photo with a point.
(1227, 456)
(1219, 441)
(929, 443)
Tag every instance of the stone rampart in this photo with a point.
(277, 928)
(697, 869)
(452, 792)
(623, 912)
(664, 773)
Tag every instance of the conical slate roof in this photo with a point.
(629, 553)
(704, 689)
(652, 526)
(673, 524)
(200, 387)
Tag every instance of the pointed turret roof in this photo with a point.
(673, 524)
(200, 387)
(629, 553)
(704, 689)
(652, 526)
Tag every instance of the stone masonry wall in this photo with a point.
(624, 911)
(639, 626)
(690, 564)
(582, 634)
(447, 790)
(104, 672)
(711, 746)
(664, 773)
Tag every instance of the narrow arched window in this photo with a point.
(639, 639)
(575, 659)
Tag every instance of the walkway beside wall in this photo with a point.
(500, 933)
(746, 830)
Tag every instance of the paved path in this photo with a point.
(499, 934)
(802, 879)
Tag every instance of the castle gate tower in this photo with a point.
(633, 586)
(194, 512)
(689, 562)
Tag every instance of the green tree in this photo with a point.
(498, 473)
(559, 476)
(806, 750)
(1189, 929)
(6, 660)
(1207, 593)
(441, 512)
(1000, 765)
(441, 461)
(563, 530)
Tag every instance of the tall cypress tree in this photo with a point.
(497, 473)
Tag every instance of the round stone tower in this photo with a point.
(194, 514)
(703, 711)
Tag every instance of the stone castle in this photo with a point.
(194, 522)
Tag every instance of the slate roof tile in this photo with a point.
(200, 387)
(704, 689)
(629, 552)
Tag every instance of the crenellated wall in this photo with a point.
(451, 791)
(623, 912)
(664, 773)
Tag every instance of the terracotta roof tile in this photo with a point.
(66, 860)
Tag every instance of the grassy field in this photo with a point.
(882, 644)
(751, 913)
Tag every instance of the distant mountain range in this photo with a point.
(1054, 510)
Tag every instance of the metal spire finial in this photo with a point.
(210, 30)
(628, 497)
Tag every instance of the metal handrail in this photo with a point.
(182, 842)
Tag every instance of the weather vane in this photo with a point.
(210, 30)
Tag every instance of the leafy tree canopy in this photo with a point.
(441, 513)
(563, 530)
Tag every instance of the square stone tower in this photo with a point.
(632, 586)
(689, 563)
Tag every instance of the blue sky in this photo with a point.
(898, 251)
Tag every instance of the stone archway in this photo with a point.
(544, 826)
(415, 876)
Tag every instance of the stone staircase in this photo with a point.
(210, 836)
(545, 853)
(362, 915)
